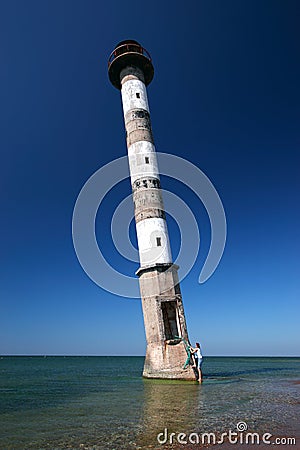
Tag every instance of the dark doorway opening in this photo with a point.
(169, 312)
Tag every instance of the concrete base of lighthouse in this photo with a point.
(167, 363)
(164, 322)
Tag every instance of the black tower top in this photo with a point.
(129, 53)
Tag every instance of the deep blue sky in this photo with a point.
(225, 96)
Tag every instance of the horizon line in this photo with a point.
(136, 356)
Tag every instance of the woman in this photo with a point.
(198, 358)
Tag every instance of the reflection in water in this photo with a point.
(216, 407)
(174, 405)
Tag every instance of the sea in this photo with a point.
(91, 402)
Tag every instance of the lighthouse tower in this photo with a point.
(130, 70)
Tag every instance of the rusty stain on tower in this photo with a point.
(130, 70)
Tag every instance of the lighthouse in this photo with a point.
(130, 70)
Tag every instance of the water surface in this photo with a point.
(104, 403)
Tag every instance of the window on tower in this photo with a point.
(158, 241)
(137, 95)
(147, 159)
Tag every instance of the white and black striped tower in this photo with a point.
(130, 70)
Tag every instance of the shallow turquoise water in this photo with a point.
(104, 403)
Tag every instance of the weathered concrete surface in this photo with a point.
(165, 355)
(166, 362)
